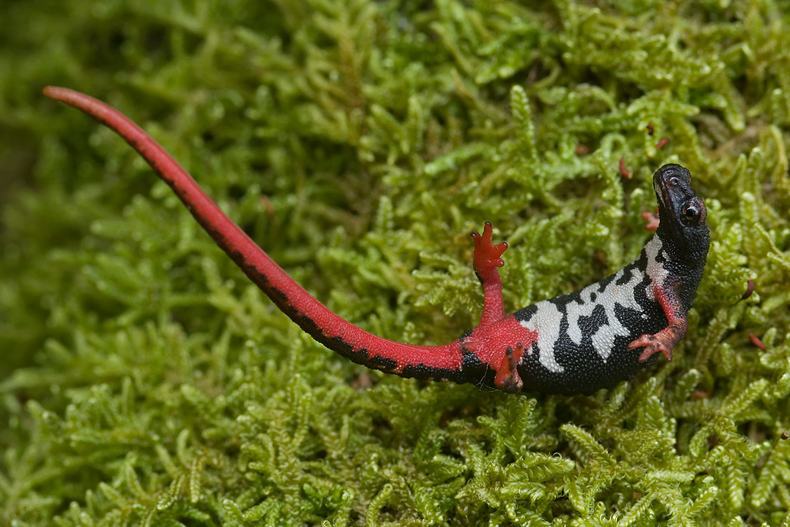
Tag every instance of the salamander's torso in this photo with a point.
(583, 336)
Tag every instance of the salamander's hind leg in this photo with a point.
(487, 262)
(498, 342)
(507, 378)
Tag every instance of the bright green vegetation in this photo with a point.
(144, 381)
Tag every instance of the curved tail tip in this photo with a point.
(56, 92)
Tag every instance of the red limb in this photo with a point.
(501, 345)
(486, 263)
(507, 378)
(489, 341)
(667, 338)
(662, 143)
(652, 220)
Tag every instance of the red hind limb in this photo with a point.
(487, 262)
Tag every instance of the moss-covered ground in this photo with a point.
(145, 381)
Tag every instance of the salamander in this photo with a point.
(580, 342)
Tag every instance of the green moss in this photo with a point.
(144, 381)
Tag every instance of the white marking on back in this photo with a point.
(547, 319)
(546, 323)
(613, 295)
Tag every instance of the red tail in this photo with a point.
(311, 315)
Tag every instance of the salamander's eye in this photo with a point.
(692, 213)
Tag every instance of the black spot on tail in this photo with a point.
(376, 362)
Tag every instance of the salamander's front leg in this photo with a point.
(487, 262)
(667, 338)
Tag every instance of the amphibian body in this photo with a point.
(575, 343)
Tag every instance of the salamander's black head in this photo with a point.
(681, 212)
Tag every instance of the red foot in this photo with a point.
(663, 342)
(652, 220)
(487, 255)
(507, 378)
